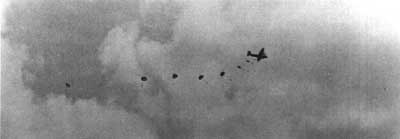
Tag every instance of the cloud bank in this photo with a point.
(328, 75)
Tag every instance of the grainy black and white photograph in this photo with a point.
(200, 69)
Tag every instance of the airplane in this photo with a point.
(261, 55)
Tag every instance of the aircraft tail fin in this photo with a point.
(248, 53)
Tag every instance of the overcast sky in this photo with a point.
(179, 69)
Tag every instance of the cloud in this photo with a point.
(316, 61)
(326, 74)
(119, 52)
(57, 117)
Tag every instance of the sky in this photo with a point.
(76, 69)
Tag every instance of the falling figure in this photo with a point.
(174, 76)
(222, 74)
(144, 78)
(201, 77)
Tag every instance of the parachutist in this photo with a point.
(201, 77)
(144, 78)
(222, 74)
(174, 76)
